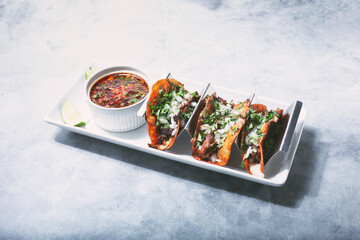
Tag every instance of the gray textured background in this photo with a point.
(58, 184)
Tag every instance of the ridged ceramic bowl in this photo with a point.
(116, 119)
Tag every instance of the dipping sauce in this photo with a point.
(118, 90)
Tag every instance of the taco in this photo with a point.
(169, 108)
(259, 138)
(219, 123)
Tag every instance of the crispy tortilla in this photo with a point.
(209, 149)
(167, 85)
(257, 169)
(158, 138)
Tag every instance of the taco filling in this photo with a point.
(218, 126)
(258, 138)
(169, 108)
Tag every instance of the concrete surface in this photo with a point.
(55, 184)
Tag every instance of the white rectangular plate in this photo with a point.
(181, 151)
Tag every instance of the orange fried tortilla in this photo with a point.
(169, 107)
(254, 164)
(209, 151)
(167, 85)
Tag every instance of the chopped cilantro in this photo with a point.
(167, 105)
(255, 124)
(224, 116)
(134, 100)
(235, 130)
(242, 165)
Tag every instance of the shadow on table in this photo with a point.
(304, 178)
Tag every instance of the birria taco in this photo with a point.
(259, 137)
(219, 123)
(169, 108)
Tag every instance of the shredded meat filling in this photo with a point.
(164, 134)
(208, 147)
(187, 105)
(255, 157)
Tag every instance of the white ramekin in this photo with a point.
(116, 119)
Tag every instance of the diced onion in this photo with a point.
(249, 151)
(162, 120)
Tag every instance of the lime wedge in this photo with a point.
(70, 115)
(90, 71)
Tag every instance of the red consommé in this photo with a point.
(118, 90)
